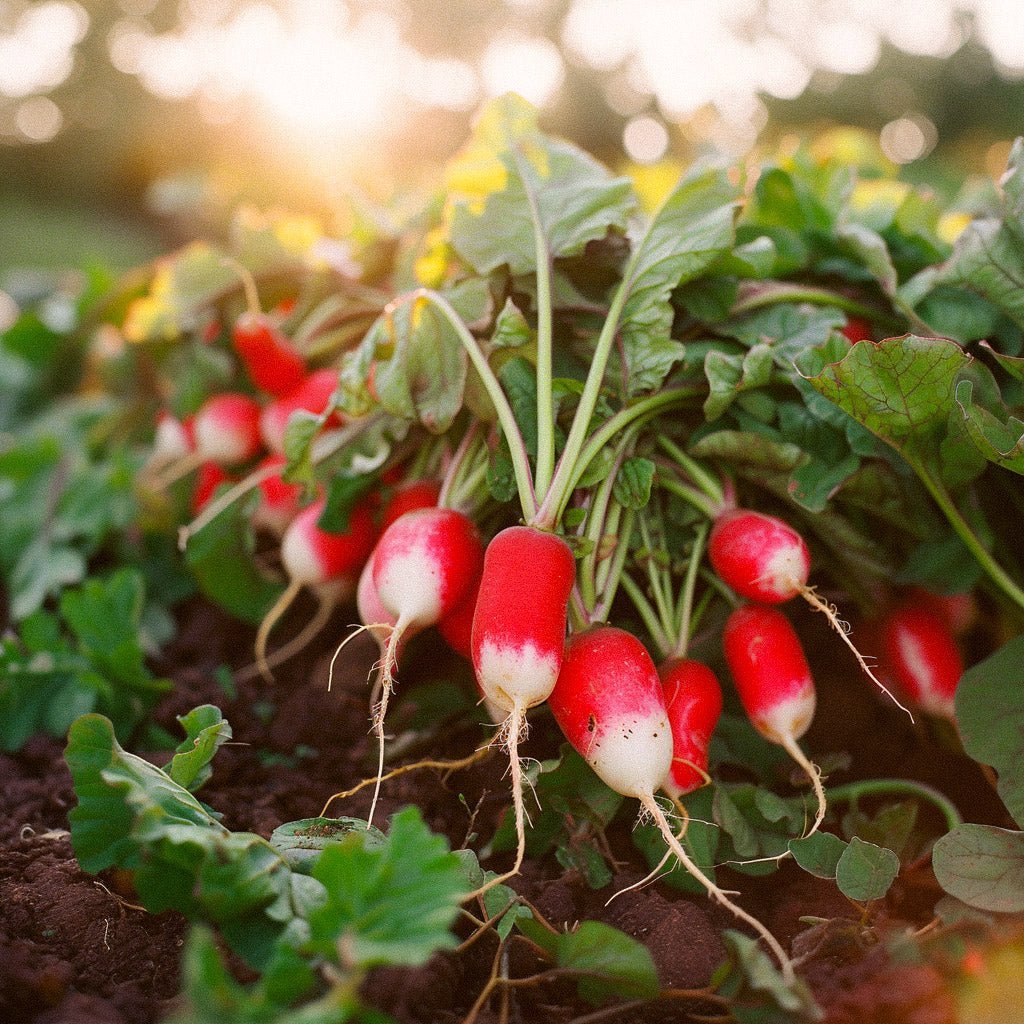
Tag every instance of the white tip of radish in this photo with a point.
(787, 718)
(785, 572)
(410, 585)
(633, 754)
(528, 673)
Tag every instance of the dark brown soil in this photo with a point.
(74, 948)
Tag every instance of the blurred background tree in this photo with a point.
(126, 125)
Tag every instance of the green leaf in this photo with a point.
(617, 964)
(692, 228)
(1001, 443)
(988, 257)
(508, 170)
(343, 493)
(729, 375)
(990, 715)
(301, 842)
(758, 971)
(869, 248)
(632, 488)
(901, 389)
(43, 570)
(421, 364)
(130, 814)
(983, 866)
(206, 731)
(389, 904)
(519, 380)
(865, 871)
(818, 854)
(511, 329)
(221, 558)
(501, 900)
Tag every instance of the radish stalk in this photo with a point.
(609, 703)
(774, 681)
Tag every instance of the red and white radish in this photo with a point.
(457, 626)
(958, 611)
(379, 622)
(518, 636)
(312, 395)
(327, 563)
(774, 681)
(270, 359)
(610, 704)
(857, 329)
(693, 699)
(764, 559)
(422, 565)
(227, 429)
(920, 653)
(278, 501)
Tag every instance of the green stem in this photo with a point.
(685, 620)
(646, 612)
(561, 485)
(854, 791)
(545, 409)
(610, 574)
(772, 294)
(596, 521)
(644, 409)
(696, 498)
(706, 481)
(996, 573)
(516, 446)
(659, 585)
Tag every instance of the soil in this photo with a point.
(75, 949)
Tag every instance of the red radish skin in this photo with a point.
(457, 626)
(761, 557)
(519, 623)
(958, 611)
(278, 501)
(920, 652)
(857, 329)
(693, 699)
(227, 429)
(312, 395)
(609, 703)
(210, 476)
(327, 563)
(774, 681)
(270, 359)
(409, 497)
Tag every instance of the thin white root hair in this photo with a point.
(290, 649)
(386, 681)
(356, 630)
(842, 627)
(652, 806)
(178, 469)
(280, 606)
(648, 879)
(512, 731)
(792, 748)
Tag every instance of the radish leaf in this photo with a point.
(983, 866)
(864, 871)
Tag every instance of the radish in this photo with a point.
(227, 429)
(609, 703)
(278, 501)
(958, 611)
(422, 566)
(857, 329)
(271, 361)
(210, 476)
(327, 563)
(312, 395)
(409, 497)
(518, 636)
(379, 622)
(173, 440)
(693, 699)
(457, 626)
(919, 651)
(774, 682)
(764, 559)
